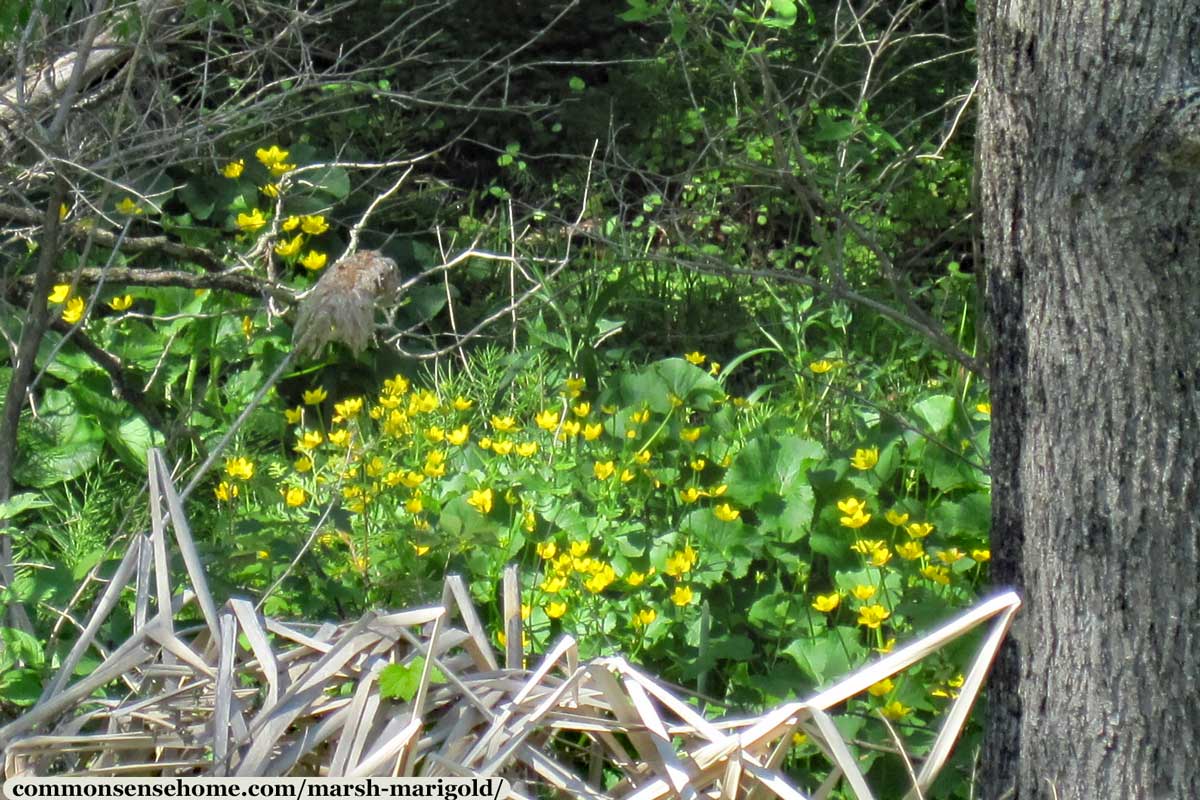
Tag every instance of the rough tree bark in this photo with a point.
(1090, 169)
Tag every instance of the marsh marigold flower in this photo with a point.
(872, 616)
(313, 260)
(910, 551)
(128, 206)
(881, 688)
(865, 459)
(896, 518)
(240, 468)
(726, 512)
(682, 595)
(295, 496)
(826, 603)
(234, 168)
(73, 311)
(820, 367)
(60, 293)
(546, 550)
(226, 491)
(939, 575)
(864, 592)
(690, 434)
(919, 530)
(288, 248)
(251, 222)
(555, 609)
(603, 470)
(695, 357)
(271, 156)
(481, 500)
(527, 449)
(575, 387)
(121, 303)
(644, 617)
(592, 431)
(895, 710)
(981, 555)
(313, 225)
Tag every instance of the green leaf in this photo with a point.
(576, 83)
(25, 501)
(832, 131)
(937, 412)
(402, 680)
(784, 8)
(333, 181)
(828, 657)
(773, 465)
(21, 687)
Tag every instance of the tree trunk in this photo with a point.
(1090, 171)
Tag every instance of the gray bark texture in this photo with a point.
(1090, 175)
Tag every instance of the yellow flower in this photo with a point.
(339, 438)
(867, 546)
(855, 520)
(881, 688)
(851, 506)
(627, 475)
(603, 470)
(726, 512)
(272, 156)
(263, 554)
(690, 434)
(252, 221)
(247, 326)
(313, 260)
(527, 449)
(681, 562)
(936, 574)
(128, 206)
(592, 431)
(981, 555)
(63, 211)
(895, 710)
(279, 169)
(643, 457)
(910, 551)
(240, 468)
(397, 385)
(950, 555)
(502, 448)
(896, 518)
(426, 401)
(73, 311)
(289, 248)
(295, 496)
(582, 410)
(462, 404)
(309, 440)
(820, 367)
(864, 592)
(347, 408)
(644, 617)
(879, 557)
(60, 293)
(313, 225)
(302, 464)
(528, 521)
(554, 584)
(435, 464)
(919, 530)
(270, 190)
(640, 417)
(314, 397)
(458, 436)
(698, 464)
(984, 408)
(682, 595)
(826, 602)
(226, 491)
(865, 459)
(690, 494)
(290, 224)
(695, 357)
(717, 491)
(547, 420)
(375, 467)
(234, 168)
(546, 550)
(872, 616)
(121, 303)
(635, 578)
(799, 738)
(714, 369)
(435, 434)
(601, 579)
(419, 549)
(575, 386)
(481, 500)
(504, 424)
(414, 505)
(887, 646)
(579, 548)
(555, 609)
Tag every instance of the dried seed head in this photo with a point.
(341, 307)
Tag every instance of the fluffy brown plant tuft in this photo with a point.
(341, 307)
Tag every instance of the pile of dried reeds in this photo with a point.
(245, 695)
